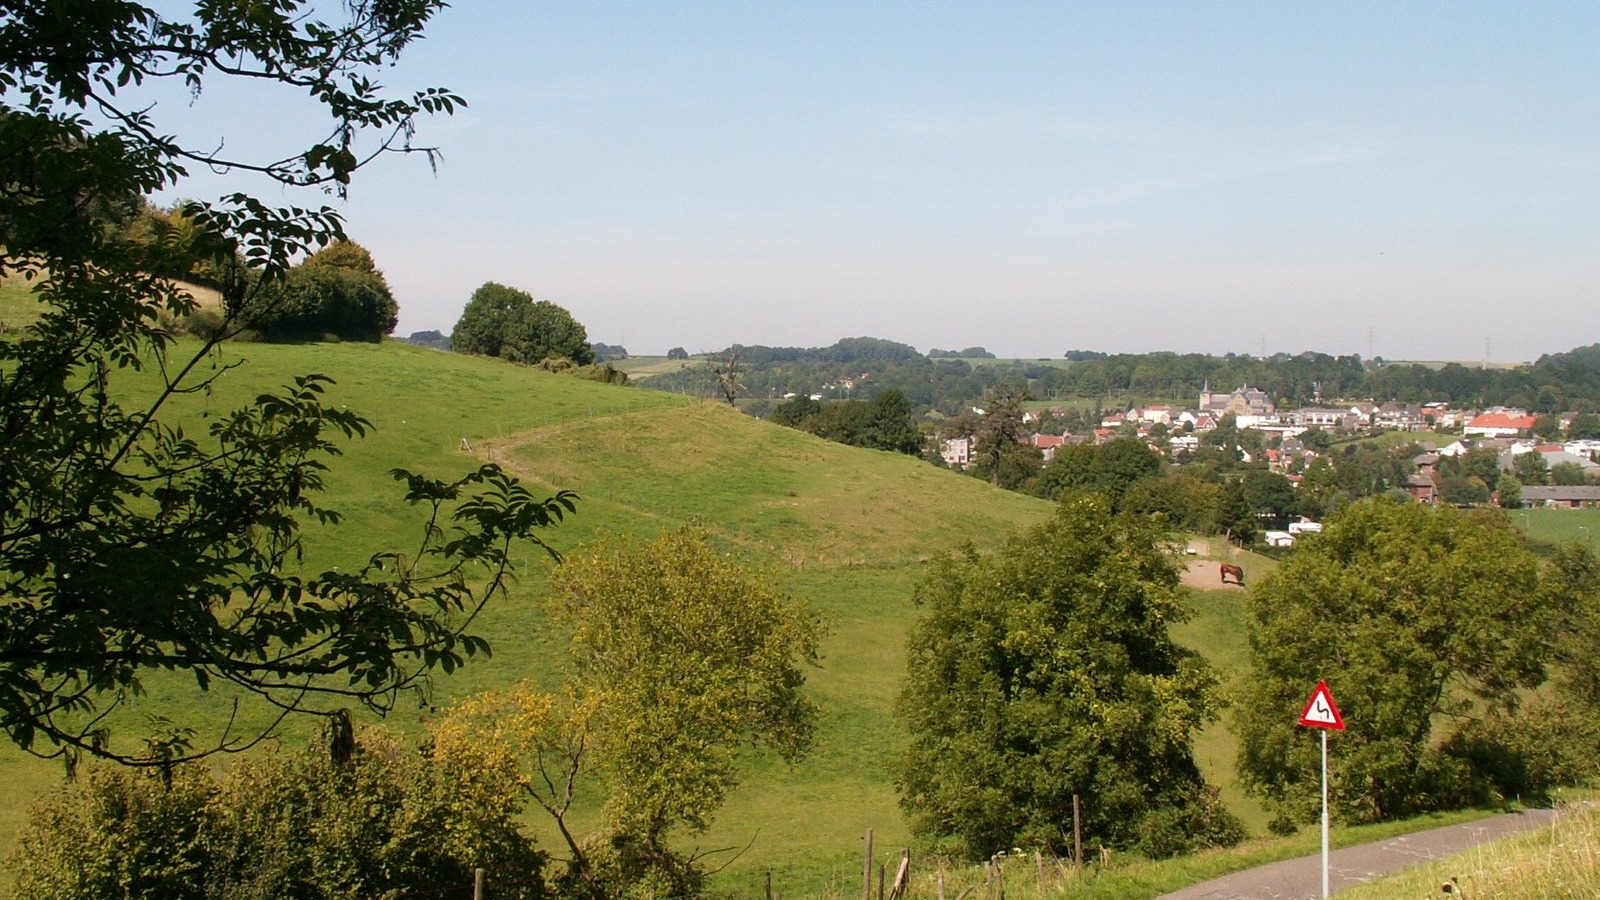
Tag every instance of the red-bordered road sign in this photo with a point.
(1321, 711)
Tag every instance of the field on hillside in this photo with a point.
(847, 529)
(645, 367)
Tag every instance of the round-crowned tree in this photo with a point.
(1046, 671)
(508, 323)
(1423, 621)
(337, 291)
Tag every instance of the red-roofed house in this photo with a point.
(1047, 444)
(1497, 425)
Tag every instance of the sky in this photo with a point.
(1412, 181)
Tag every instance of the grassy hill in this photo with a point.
(847, 529)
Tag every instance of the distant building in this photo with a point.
(1572, 496)
(957, 451)
(1498, 424)
(1246, 401)
(1325, 419)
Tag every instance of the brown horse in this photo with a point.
(1235, 571)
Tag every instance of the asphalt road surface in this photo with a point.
(1295, 879)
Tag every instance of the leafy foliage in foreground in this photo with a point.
(1046, 670)
(386, 823)
(127, 543)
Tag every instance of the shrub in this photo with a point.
(118, 833)
(389, 822)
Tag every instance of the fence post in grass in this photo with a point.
(769, 886)
(1077, 835)
(1038, 864)
(477, 884)
(902, 878)
(939, 879)
(882, 877)
(866, 870)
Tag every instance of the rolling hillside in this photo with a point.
(847, 529)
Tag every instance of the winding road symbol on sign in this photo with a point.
(1321, 711)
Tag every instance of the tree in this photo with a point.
(338, 292)
(1568, 473)
(1510, 492)
(796, 412)
(1316, 439)
(1419, 618)
(1270, 494)
(1531, 468)
(677, 353)
(604, 353)
(679, 657)
(1235, 516)
(1318, 487)
(1045, 671)
(1584, 426)
(127, 544)
(509, 324)
(1111, 469)
(888, 425)
(1001, 431)
(1463, 490)
(728, 373)
(1188, 503)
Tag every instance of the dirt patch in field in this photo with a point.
(1206, 574)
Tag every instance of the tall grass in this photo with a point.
(1562, 861)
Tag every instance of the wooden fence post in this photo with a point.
(902, 877)
(477, 884)
(866, 870)
(1077, 834)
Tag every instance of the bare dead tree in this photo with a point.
(727, 372)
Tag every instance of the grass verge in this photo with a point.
(1560, 861)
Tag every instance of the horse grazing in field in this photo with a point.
(1235, 571)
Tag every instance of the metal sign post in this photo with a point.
(1323, 714)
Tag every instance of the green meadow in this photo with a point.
(849, 530)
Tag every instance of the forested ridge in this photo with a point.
(861, 368)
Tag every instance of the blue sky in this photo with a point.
(1406, 180)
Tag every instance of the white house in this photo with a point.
(957, 451)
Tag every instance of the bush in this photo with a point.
(314, 302)
(389, 822)
(118, 833)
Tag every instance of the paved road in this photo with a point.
(1295, 879)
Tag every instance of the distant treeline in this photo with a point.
(861, 368)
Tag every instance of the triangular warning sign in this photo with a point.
(1321, 711)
